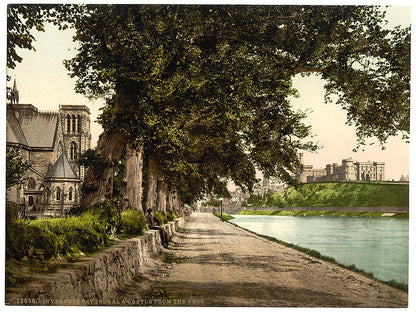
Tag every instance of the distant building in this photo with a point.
(238, 196)
(404, 178)
(269, 186)
(349, 170)
(50, 142)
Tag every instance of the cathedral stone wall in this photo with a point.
(42, 138)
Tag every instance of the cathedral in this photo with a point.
(50, 143)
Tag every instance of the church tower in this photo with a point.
(14, 94)
(75, 122)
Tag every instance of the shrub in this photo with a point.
(109, 213)
(132, 223)
(171, 215)
(73, 235)
(12, 211)
(84, 230)
(161, 218)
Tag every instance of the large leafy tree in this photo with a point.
(204, 89)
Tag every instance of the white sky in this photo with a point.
(42, 80)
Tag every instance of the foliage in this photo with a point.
(15, 168)
(23, 18)
(161, 218)
(254, 200)
(109, 213)
(84, 230)
(340, 194)
(225, 217)
(171, 258)
(12, 211)
(73, 235)
(132, 223)
(93, 160)
(206, 89)
(171, 215)
(56, 236)
(213, 202)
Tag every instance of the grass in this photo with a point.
(171, 258)
(339, 194)
(225, 217)
(392, 283)
(319, 213)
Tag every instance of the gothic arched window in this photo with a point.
(73, 123)
(68, 123)
(78, 123)
(31, 184)
(72, 150)
(46, 194)
(58, 193)
(70, 194)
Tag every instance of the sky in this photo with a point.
(43, 81)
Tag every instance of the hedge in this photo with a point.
(84, 230)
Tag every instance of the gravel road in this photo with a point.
(213, 263)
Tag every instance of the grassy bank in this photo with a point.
(225, 217)
(338, 194)
(321, 213)
(316, 254)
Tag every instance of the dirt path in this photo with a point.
(222, 265)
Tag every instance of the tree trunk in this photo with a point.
(174, 204)
(162, 194)
(98, 183)
(152, 173)
(133, 176)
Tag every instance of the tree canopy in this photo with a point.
(23, 18)
(206, 88)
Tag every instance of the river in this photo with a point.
(378, 245)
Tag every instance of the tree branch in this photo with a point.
(305, 69)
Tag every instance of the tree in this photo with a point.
(22, 19)
(15, 168)
(204, 89)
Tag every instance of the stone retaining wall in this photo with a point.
(97, 276)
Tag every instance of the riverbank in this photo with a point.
(325, 212)
(214, 263)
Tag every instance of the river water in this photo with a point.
(378, 245)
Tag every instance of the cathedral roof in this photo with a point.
(39, 129)
(14, 133)
(62, 169)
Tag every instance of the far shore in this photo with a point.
(326, 211)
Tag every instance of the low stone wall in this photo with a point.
(92, 279)
(346, 209)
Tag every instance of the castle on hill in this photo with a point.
(349, 170)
